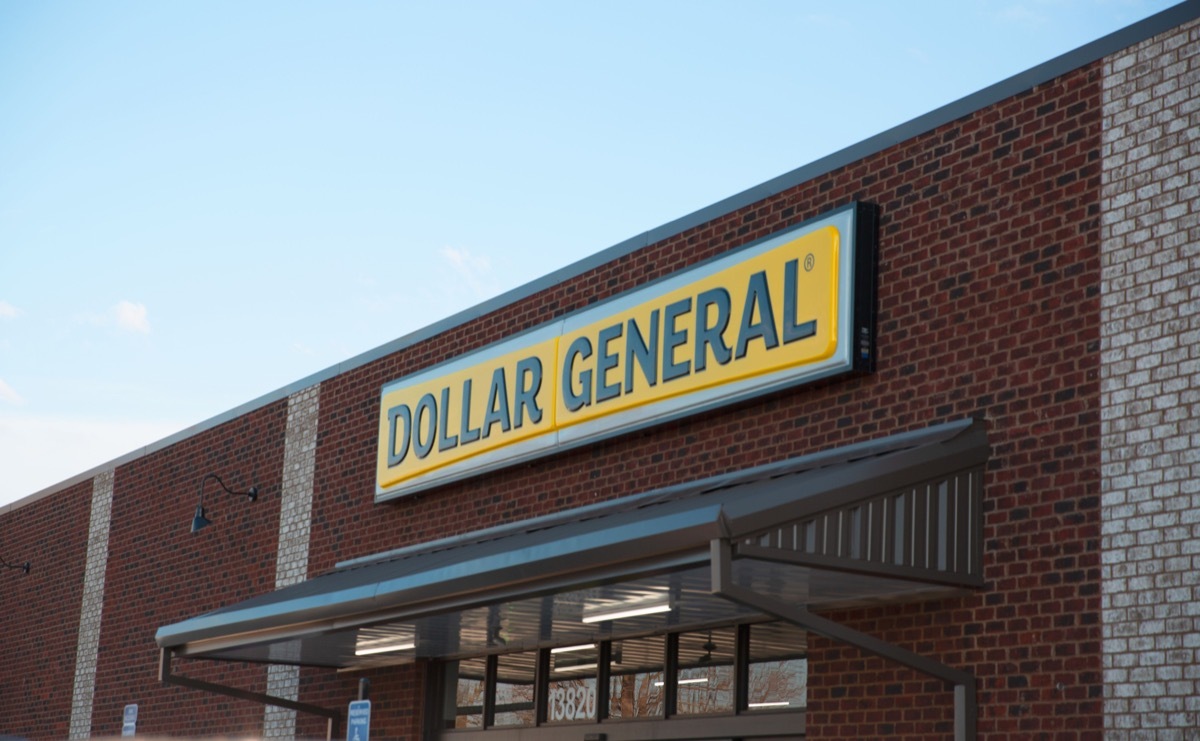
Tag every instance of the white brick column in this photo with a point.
(295, 524)
(1150, 398)
(88, 644)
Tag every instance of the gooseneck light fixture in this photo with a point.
(24, 567)
(199, 522)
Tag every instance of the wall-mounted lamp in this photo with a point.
(22, 566)
(199, 522)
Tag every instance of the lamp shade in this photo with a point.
(199, 522)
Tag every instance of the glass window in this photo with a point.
(635, 678)
(469, 689)
(515, 674)
(706, 672)
(778, 678)
(572, 690)
(768, 661)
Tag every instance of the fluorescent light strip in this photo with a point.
(782, 704)
(577, 668)
(627, 612)
(384, 649)
(566, 649)
(698, 680)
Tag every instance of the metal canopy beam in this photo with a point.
(965, 701)
(928, 531)
(333, 718)
(898, 517)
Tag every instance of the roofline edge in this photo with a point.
(1093, 51)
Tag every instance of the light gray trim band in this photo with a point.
(291, 558)
(92, 607)
(1018, 83)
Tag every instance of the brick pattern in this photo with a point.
(990, 286)
(160, 573)
(282, 681)
(92, 607)
(1151, 388)
(40, 639)
(989, 305)
(291, 561)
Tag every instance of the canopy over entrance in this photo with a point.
(893, 519)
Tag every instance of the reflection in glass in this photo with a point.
(635, 678)
(706, 676)
(572, 691)
(778, 678)
(469, 689)
(515, 689)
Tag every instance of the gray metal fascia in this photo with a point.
(632, 535)
(633, 539)
(304, 609)
(639, 541)
(868, 448)
(783, 500)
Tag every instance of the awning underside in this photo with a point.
(895, 519)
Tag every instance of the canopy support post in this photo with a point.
(965, 701)
(333, 718)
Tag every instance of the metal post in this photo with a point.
(965, 704)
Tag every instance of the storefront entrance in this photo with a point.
(676, 614)
(751, 678)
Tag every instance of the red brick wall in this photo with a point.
(159, 573)
(397, 697)
(988, 306)
(40, 610)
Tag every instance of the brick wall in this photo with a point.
(41, 612)
(990, 282)
(91, 611)
(1151, 388)
(295, 519)
(160, 573)
(989, 286)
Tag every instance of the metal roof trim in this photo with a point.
(891, 443)
(938, 453)
(1091, 52)
(627, 542)
(640, 541)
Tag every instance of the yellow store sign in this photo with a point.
(789, 309)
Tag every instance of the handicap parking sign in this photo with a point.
(358, 725)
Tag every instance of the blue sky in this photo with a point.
(202, 202)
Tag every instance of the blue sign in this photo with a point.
(358, 723)
(129, 720)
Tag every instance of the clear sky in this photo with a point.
(203, 202)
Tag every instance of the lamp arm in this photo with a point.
(22, 566)
(200, 522)
(251, 494)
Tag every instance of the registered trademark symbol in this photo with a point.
(809, 261)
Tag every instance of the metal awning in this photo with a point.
(898, 518)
